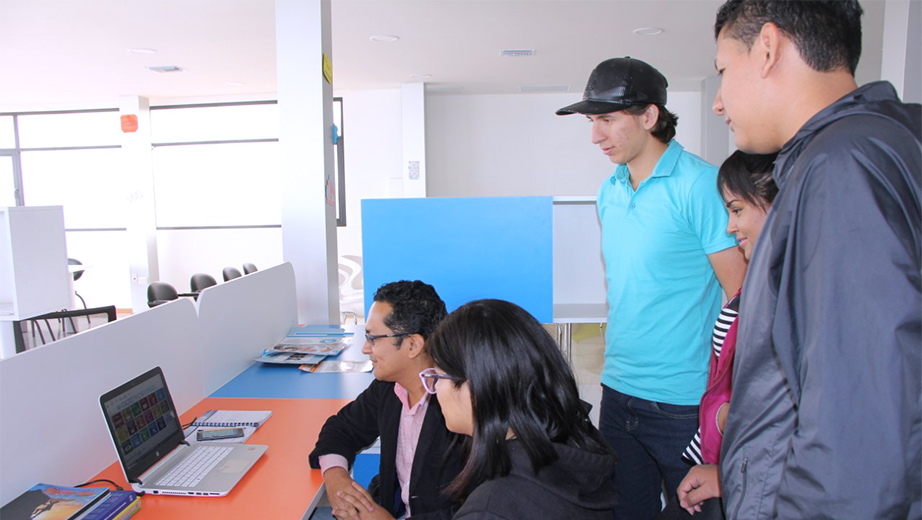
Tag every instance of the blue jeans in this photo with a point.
(649, 438)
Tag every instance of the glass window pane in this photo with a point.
(88, 183)
(74, 129)
(7, 187)
(338, 115)
(217, 185)
(7, 137)
(105, 256)
(184, 125)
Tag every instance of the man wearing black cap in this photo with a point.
(667, 254)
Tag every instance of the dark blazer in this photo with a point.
(438, 460)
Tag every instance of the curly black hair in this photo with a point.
(416, 307)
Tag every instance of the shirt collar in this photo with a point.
(404, 397)
(664, 166)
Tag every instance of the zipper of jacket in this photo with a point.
(739, 505)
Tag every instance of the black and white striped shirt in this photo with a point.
(724, 320)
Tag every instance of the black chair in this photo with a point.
(159, 293)
(249, 268)
(77, 275)
(201, 281)
(22, 329)
(230, 273)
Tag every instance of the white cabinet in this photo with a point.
(33, 262)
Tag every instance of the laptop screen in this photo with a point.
(142, 421)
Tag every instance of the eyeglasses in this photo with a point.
(430, 377)
(370, 338)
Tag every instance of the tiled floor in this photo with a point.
(587, 357)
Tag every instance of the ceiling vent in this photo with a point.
(544, 88)
(166, 68)
(517, 53)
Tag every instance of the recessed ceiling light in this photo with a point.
(166, 68)
(516, 53)
(648, 31)
(420, 76)
(142, 51)
(384, 38)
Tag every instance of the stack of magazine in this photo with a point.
(308, 345)
(47, 502)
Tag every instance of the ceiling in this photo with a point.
(75, 53)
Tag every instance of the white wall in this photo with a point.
(372, 131)
(514, 145)
(185, 252)
(374, 151)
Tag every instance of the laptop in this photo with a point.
(156, 458)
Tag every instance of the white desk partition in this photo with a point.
(239, 318)
(33, 267)
(579, 270)
(51, 426)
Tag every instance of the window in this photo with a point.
(216, 165)
(89, 184)
(216, 185)
(339, 162)
(7, 181)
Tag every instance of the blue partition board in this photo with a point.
(365, 468)
(467, 248)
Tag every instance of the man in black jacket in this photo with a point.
(825, 418)
(418, 455)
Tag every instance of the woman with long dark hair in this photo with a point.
(746, 185)
(532, 450)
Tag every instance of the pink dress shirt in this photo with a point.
(411, 424)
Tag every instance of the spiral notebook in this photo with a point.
(232, 418)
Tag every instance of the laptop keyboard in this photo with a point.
(193, 469)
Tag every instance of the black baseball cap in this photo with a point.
(620, 83)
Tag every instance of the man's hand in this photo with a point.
(340, 488)
(362, 502)
(701, 483)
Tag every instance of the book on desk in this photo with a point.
(48, 502)
(118, 505)
(307, 346)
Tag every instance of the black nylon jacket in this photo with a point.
(826, 410)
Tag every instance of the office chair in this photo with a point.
(32, 325)
(159, 293)
(249, 268)
(201, 281)
(77, 275)
(230, 273)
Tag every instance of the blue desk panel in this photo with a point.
(286, 381)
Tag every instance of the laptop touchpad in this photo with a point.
(234, 466)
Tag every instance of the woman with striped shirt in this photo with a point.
(746, 184)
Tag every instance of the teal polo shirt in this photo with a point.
(663, 295)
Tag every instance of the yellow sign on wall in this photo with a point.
(327, 69)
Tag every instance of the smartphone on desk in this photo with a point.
(220, 433)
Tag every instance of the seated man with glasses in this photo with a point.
(418, 458)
